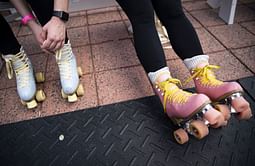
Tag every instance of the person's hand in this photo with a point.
(54, 32)
(37, 31)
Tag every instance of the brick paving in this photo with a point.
(112, 72)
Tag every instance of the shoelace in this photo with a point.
(172, 93)
(22, 67)
(206, 75)
(63, 58)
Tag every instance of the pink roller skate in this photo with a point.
(227, 97)
(191, 112)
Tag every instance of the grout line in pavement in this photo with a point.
(92, 61)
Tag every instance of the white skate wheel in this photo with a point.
(72, 98)
(80, 90)
(64, 96)
(31, 104)
(40, 96)
(181, 136)
(39, 77)
(79, 70)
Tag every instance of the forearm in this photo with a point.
(23, 9)
(21, 6)
(61, 5)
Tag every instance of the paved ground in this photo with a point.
(112, 72)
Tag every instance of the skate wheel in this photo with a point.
(223, 108)
(80, 90)
(64, 96)
(181, 136)
(214, 117)
(39, 77)
(199, 129)
(40, 96)
(31, 104)
(79, 70)
(72, 98)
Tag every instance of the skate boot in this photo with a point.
(191, 112)
(227, 97)
(25, 80)
(69, 74)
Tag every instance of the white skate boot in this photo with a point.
(69, 74)
(26, 87)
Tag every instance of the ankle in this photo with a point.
(160, 75)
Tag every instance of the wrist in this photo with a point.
(27, 18)
(62, 15)
(57, 19)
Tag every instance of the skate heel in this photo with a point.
(73, 97)
(79, 92)
(39, 97)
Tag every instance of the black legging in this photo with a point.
(183, 37)
(8, 43)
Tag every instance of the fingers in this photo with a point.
(58, 46)
(43, 35)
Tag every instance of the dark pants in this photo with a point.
(183, 37)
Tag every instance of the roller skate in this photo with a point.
(192, 113)
(26, 87)
(69, 74)
(227, 97)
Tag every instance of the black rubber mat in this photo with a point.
(129, 133)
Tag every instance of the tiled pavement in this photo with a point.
(112, 72)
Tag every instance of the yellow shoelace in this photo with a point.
(172, 93)
(206, 75)
(22, 60)
(64, 62)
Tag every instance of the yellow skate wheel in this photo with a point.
(80, 90)
(31, 104)
(39, 77)
(40, 96)
(64, 96)
(199, 129)
(72, 98)
(80, 73)
(223, 108)
(181, 136)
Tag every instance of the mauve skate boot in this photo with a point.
(227, 96)
(191, 112)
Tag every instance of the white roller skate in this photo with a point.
(69, 74)
(26, 87)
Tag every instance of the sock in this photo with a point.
(193, 62)
(159, 75)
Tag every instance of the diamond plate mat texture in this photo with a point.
(132, 133)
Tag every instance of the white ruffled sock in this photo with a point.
(194, 62)
(159, 75)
